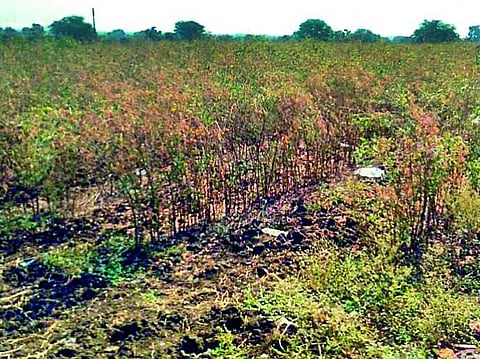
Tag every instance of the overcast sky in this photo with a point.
(387, 18)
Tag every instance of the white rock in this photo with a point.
(370, 172)
(273, 232)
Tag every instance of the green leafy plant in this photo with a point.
(227, 348)
(106, 260)
(357, 305)
(73, 261)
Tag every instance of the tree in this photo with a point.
(314, 29)
(153, 34)
(435, 31)
(474, 33)
(251, 37)
(285, 38)
(9, 33)
(364, 35)
(189, 30)
(149, 34)
(116, 35)
(74, 27)
(402, 40)
(342, 35)
(33, 33)
(225, 37)
(170, 36)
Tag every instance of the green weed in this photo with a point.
(357, 305)
(105, 259)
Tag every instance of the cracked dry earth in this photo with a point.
(178, 300)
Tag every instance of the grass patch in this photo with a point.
(345, 304)
(107, 259)
(23, 222)
(227, 348)
(72, 261)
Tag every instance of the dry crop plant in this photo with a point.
(195, 155)
(429, 166)
(209, 134)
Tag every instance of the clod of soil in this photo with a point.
(131, 331)
(197, 345)
(170, 321)
(52, 291)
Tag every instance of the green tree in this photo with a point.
(225, 37)
(435, 31)
(251, 37)
(33, 33)
(474, 33)
(314, 29)
(74, 27)
(9, 33)
(116, 35)
(342, 35)
(153, 34)
(284, 38)
(170, 36)
(189, 30)
(402, 40)
(364, 35)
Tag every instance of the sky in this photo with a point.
(266, 17)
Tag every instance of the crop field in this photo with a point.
(199, 200)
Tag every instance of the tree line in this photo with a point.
(75, 27)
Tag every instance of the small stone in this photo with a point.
(273, 232)
(370, 172)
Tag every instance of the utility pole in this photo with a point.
(93, 16)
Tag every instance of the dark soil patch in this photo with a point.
(172, 321)
(56, 231)
(246, 326)
(196, 345)
(229, 318)
(193, 265)
(210, 273)
(132, 331)
(51, 292)
(18, 194)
